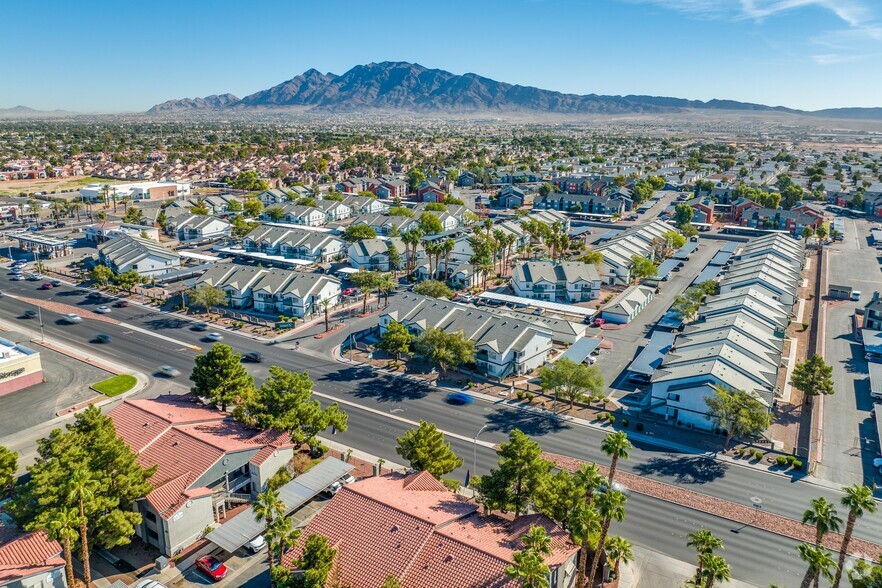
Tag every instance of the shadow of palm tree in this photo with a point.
(531, 423)
(686, 470)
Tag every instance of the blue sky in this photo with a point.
(103, 56)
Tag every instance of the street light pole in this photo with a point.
(475, 447)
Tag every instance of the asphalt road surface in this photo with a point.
(382, 407)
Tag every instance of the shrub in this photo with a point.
(601, 416)
(796, 464)
(782, 460)
(625, 422)
(805, 326)
(529, 396)
(739, 452)
(611, 418)
(520, 394)
(606, 400)
(757, 454)
(300, 463)
(639, 426)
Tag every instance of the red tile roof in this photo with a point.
(26, 554)
(423, 534)
(184, 439)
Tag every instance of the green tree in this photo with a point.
(448, 350)
(220, 376)
(128, 280)
(434, 288)
(858, 500)
(592, 257)
(807, 232)
(674, 239)
(436, 206)
(820, 564)
(252, 207)
(101, 275)
(521, 469)
(365, 281)
(242, 227)
(274, 213)
(415, 177)
(616, 446)
(864, 575)
(316, 561)
(570, 380)
(207, 296)
(683, 214)
(529, 565)
(425, 449)
(281, 536)
(267, 508)
(618, 551)
(234, 205)
(400, 211)
(557, 495)
(62, 526)
(430, 224)
(82, 487)
(813, 376)
(737, 413)
(821, 232)
(394, 258)
(133, 215)
(704, 543)
(8, 470)
(391, 582)
(715, 567)
(395, 340)
(285, 403)
(822, 515)
(161, 219)
(358, 232)
(249, 181)
(584, 525)
(642, 267)
(305, 201)
(611, 506)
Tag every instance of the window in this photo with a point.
(150, 516)
(151, 534)
(673, 397)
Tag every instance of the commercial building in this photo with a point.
(145, 256)
(20, 367)
(45, 246)
(135, 191)
(413, 528)
(205, 462)
(101, 232)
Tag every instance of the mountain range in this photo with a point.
(410, 87)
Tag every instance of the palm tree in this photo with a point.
(858, 499)
(589, 477)
(704, 543)
(63, 527)
(823, 516)
(281, 536)
(81, 488)
(584, 522)
(618, 551)
(820, 563)
(446, 248)
(385, 283)
(537, 539)
(616, 445)
(268, 508)
(75, 207)
(611, 505)
(529, 568)
(326, 302)
(432, 248)
(715, 567)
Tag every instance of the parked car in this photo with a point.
(169, 371)
(350, 291)
(18, 278)
(102, 309)
(212, 567)
(35, 277)
(599, 322)
(256, 544)
(95, 296)
(214, 336)
(71, 318)
(336, 486)
(55, 283)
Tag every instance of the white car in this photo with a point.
(71, 318)
(171, 372)
(18, 278)
(256, 544)
(102, 309)
(214, 336)
(336, 486)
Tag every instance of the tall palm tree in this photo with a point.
(537, 539)
(326, 302)
(281, 536)
(589, 477)
(584, 522)
(81, 488)
(63, 527)
(617, 446)
(447, 248)
(822, 515)
(75, 207)
(858, 499)
(704, 543)
(715, 567)
(529, 568)
(432, 248)
(268, 508)
(820, 563)
(618, 551)
(611, 505)
(385, 283)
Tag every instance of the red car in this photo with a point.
(46, 286)
(212, 567)
(350, 291)
(599, 322)
(122, 304)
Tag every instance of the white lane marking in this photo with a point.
(158, 336)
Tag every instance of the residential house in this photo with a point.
(504, 346)
(147, 257)
(205, 461)
(873, 313)
(359, 205)
(373, 254)
(292, 243)
(30, 560)
(626, 306)
(383, 224)
(429, 191)
(569, 281)
(298, 214)
(411, 527)
(198, 227)
(511, 197)
(703, 209)
(585, 203)
(270, 197)
(777, 219)
(334, 210)
(639, 240)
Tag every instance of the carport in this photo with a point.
(241, 529)
(645, 364)
(581, 349)
(708, 273)
(685, 251)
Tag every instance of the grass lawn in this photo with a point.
(116, 385)
(16, 187)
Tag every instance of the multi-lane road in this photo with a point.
(382, 407)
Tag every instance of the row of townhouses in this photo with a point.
(293, 243)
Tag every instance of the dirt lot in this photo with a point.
(16, 187)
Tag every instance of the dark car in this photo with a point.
(212, 567)
(30, 313)
(121, 303)
(253, 356)
(94, 296)
(102, 338)
(55, 283)
(459, 398)
(200, 327)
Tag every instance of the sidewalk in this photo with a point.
(651, 569)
